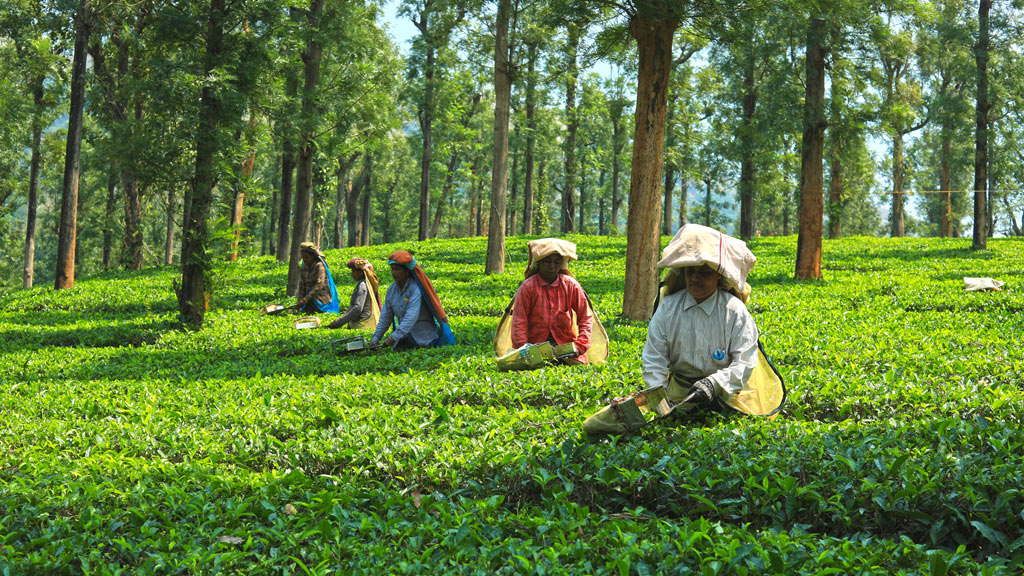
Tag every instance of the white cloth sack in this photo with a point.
(972, 284)
(696, 245)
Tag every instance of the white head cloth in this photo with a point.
(696, 245)
(543, 247)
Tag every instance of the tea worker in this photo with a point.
(411, 308)
(550, 305)
(364, 308)
(702, 341)
(317, 292)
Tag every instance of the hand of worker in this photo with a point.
(389, 342)
(701, 392)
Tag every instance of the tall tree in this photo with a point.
(616, 113)
(574, 37)
(435, 20)
(242, 182)
(981, 56)
(193, 293)
(901, 113)
(531, 133)
(808, 251)
(499, 170)
(29, 26)
(652, 26)
(65, 273)
(308, 126)
(946, 64)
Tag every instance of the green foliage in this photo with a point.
(128, 445)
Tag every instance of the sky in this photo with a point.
(401, 30)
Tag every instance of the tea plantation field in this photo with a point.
(129, 446)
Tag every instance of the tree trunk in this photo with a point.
(513, 214)
(169, 238)
(654, 42)
(667, 211)
(478, 197)
(684, 191)
(65, 273)
(980, 239)
(991, 196)
(539, 217)
(426, 125)
(582, 228)
(747, 167)
(245, 175)
(945, 183)
(808, 248)
(572, 126)
(898, 229)
(499, 169)
(616, 108)
(33, 182)
(364, 237)
(352, 202)
(304, 171)
(341, 192)
(108, 217)
(133, 239)
(453, 161)
(195, 264)
(835, 196)
(272, 233)
(531, 130)
(707, 202)
(133, 254)
(474, 227)
(285, 210)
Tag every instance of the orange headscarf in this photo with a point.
(406, 259)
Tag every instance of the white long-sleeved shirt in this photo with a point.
(716, 339)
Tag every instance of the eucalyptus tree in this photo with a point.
(575, 31)
(595, 135)
(230, 50)
(851, 106)
(752, 47)
(981, 137)
(119, 36)
(618, 116)
(680, 118)
(651, 24)
(828, 25)
(35, 35)
(503, 77)
(903, 107)
(460, 117)
(535, 33)
(946, 66)
(361, 71)
(64, 276)
(1010, 131)
(436, 21)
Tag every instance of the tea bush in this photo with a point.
(129, 445)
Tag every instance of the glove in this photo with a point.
(702, 392)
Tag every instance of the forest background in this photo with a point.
(254, 125)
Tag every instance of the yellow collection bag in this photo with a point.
(596, 354)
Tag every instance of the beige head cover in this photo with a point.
(543, 247)
(696, 245)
